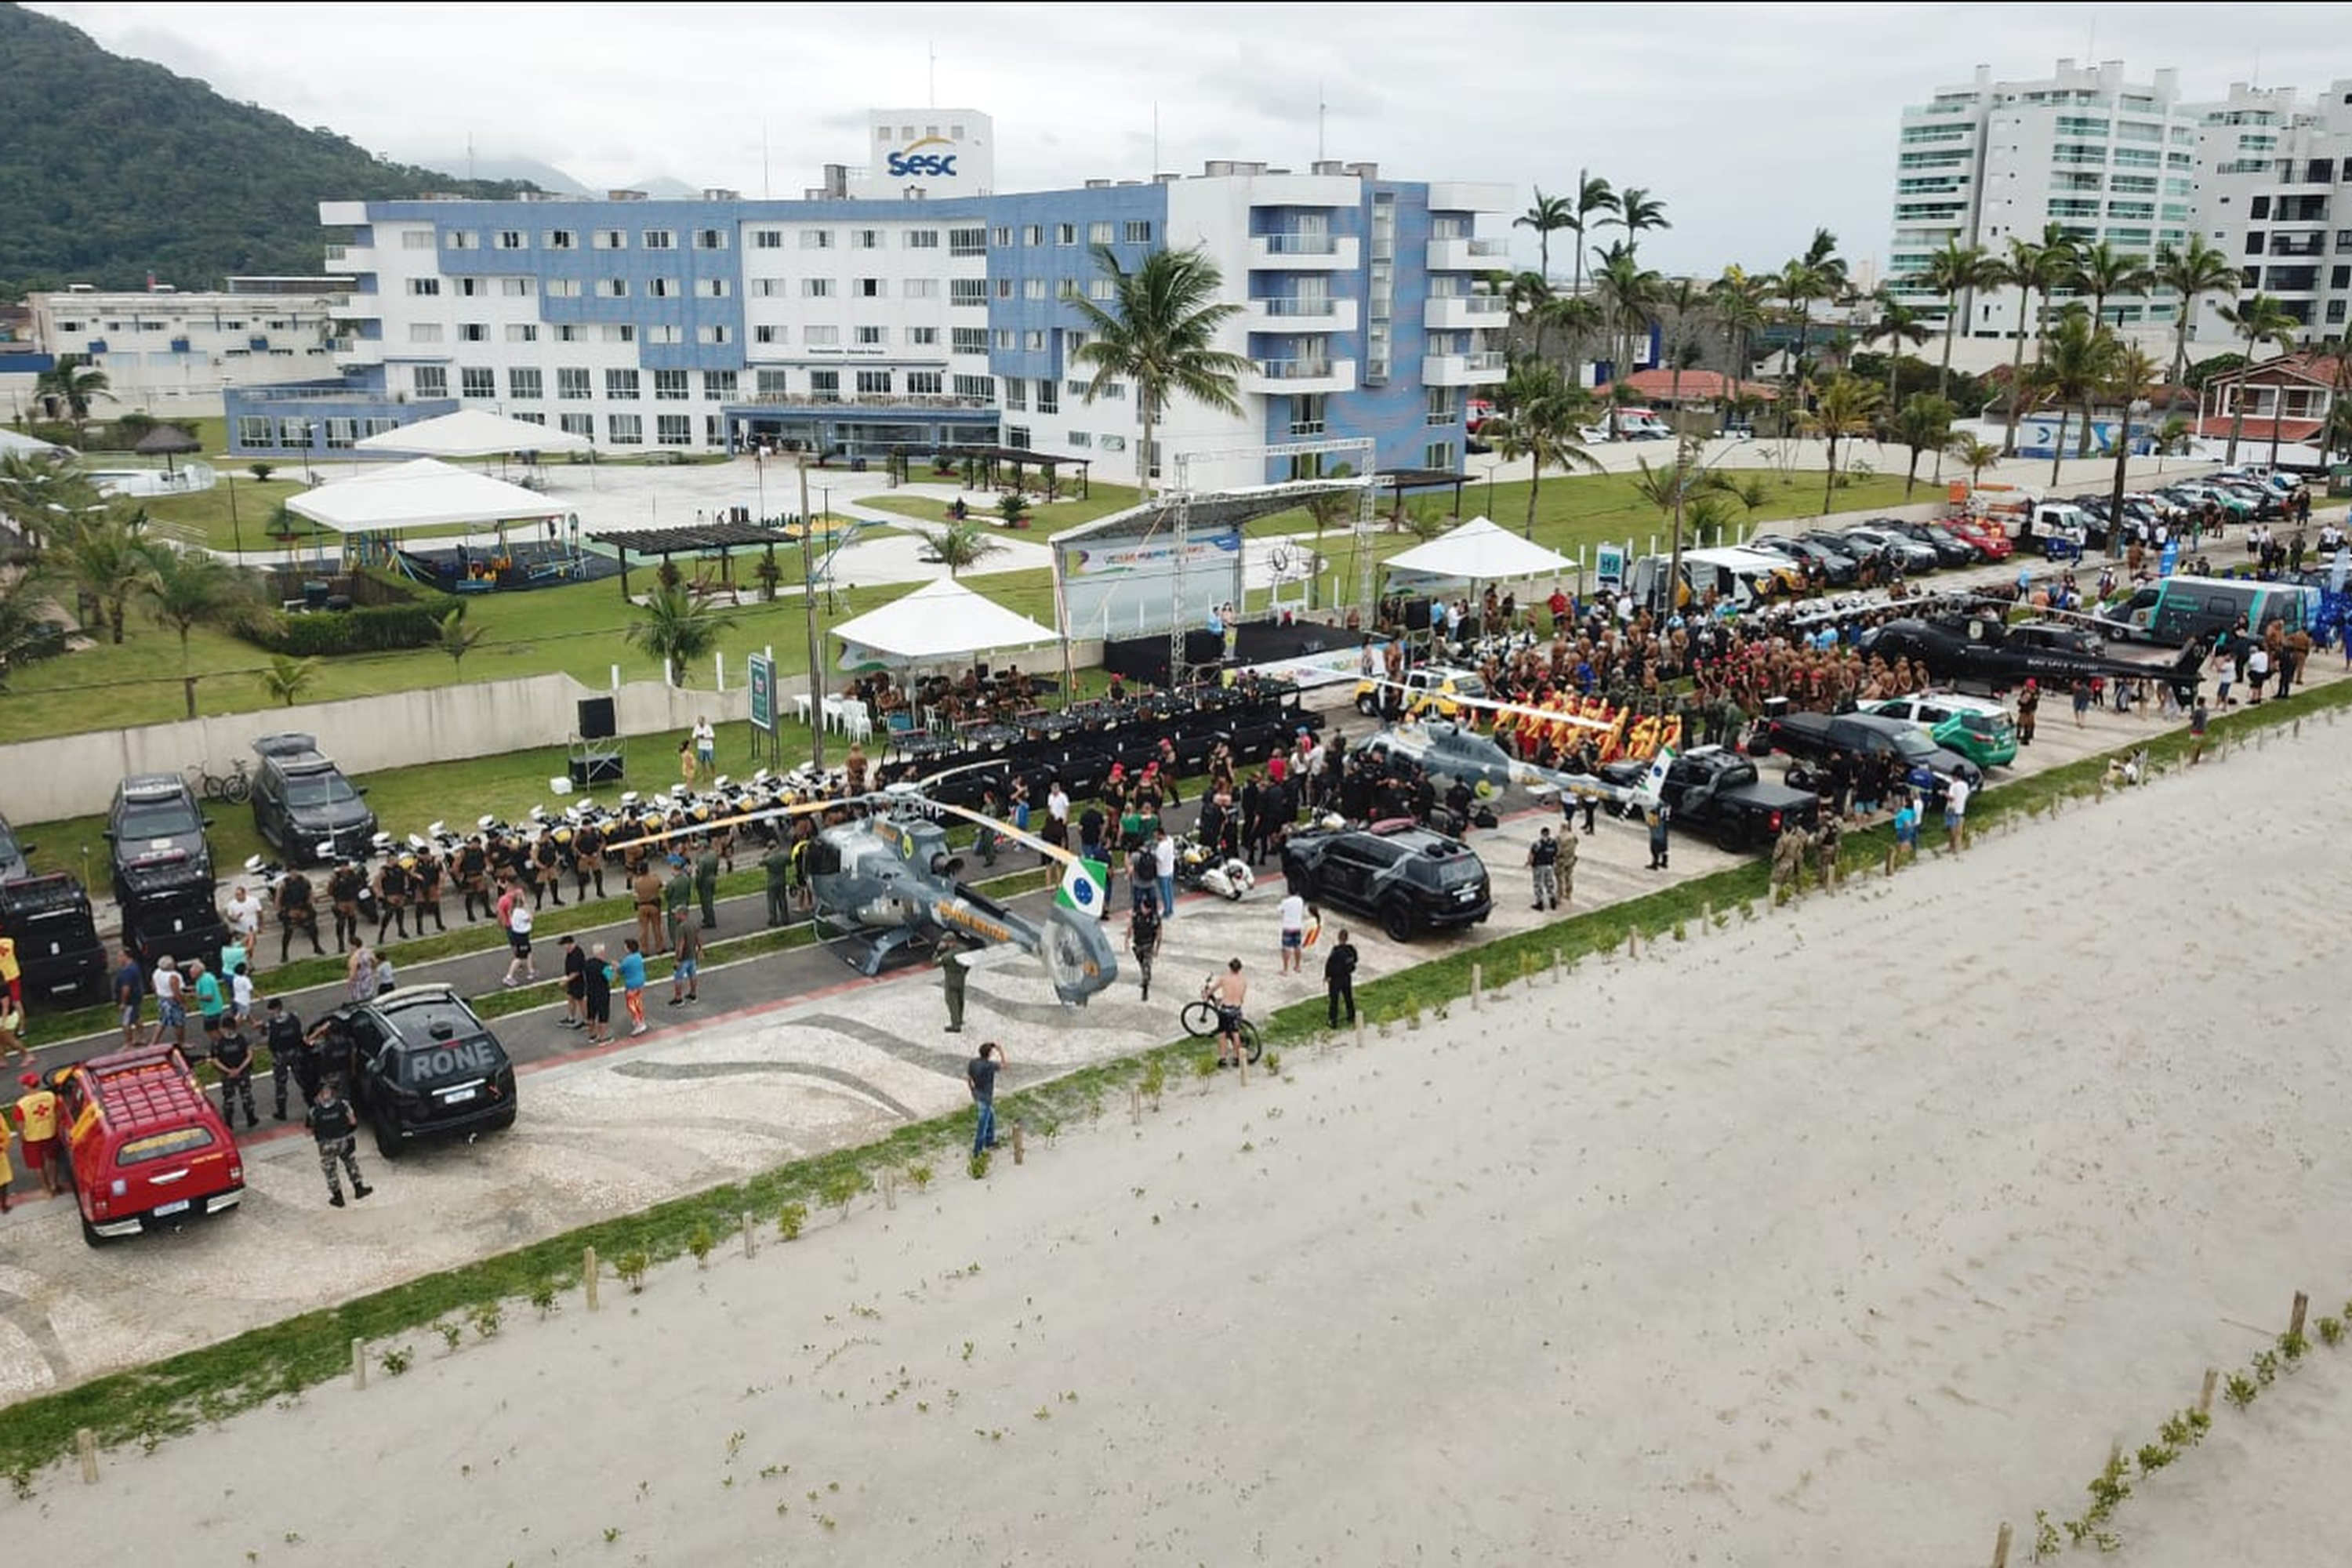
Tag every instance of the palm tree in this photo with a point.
(1529, 297)
(2190, 275)
(286, 679)
(1819, 274)
(185, 589)
(2028, 268)
(1160, 334)
(1897, 324)
(1675, 488)
(101, 555)
(1593, 194)
(1954, 271)
(678, 629)
(2131, 376)
(1686, 299)
(2102, 271)
(1628, 294)
(2258, 319)
(1637, 210)
(2061, 251)
(1974, 455)
(29, 629)
(2077, 362)
(1843, 411)
(1924, 424)
(72, 384)
(42, 495)
(1572, 316)
(1537, 415)
(1547, 215)
(458, 639)
(965, 544)
(1738, 304)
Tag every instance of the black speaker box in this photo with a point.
(596, 722)
(588, 772)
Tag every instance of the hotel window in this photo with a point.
(1034, 340)
(477, 381)
(1017, 394)
(873, 337)
(1098, 289)
(1001, 237)
(660, 239)
(871, 288)
(617, 332)
(1066, 289)
(416, 239)
(665, 333)
(474, 332)
(967, 290)
(425, 287)
(711, 287)
(1438, 454)
(820, 337)
(816, 239)
(624, 429)
(563, 239)
(571, 383)
(661, 288)
(709, 239)
(461, 239)
(981, 387)
(816, 288)
(522, 332)
(563, 287)
(1004, 287)
(767, 240)
(254, 430)
(867, 239)
(923, 337)
(1066, 233)
(714, 335)
(1032, 287)
(523, 384)
(923, 383)
(669, 386)
(431, 381)
(581, 425)
(424, 331)
(1049, 396)
(570, 333)
(610, 240)
(674, 429)
(770, 287)
(967, 340)
(919, 288)
(967, 242)
(1079, 438)
(1032, 233)
(473, 288)
(922, 240)
(621, 387)
(514, 288)
(612, 288)
(774, 384)
(528, 417)
(1004, 338)
(1098, 234)
(342, 433)
(511, 239)
(874, 383)
(769, 335)
(1017, 435)
(717, 384)
(1135, 233)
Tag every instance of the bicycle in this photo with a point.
(1200, 1021)
(234, 787)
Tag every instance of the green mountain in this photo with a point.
(111, 169)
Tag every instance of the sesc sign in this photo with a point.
(914, 162)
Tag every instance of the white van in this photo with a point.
(1741, 578)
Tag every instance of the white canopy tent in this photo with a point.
(1478, 552)
(423, 493)
(473, 433)
(13, 445)
(940, 622)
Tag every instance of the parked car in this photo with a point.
(1977, 728)
(1892, 546)
(1836, 544)
(1816, 738)
(425, 1066)
(59, 958)
(304, 806)
(162, 869)
(1837, 568)
(1989, 543)
(1949, 548)
(146, 1150)
(1428, 687)
(1407, 878)
(1714, 791)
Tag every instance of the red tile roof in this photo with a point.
(2217, 426)
(1697, 386)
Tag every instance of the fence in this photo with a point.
(73, 776)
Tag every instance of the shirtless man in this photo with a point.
(1228, 991)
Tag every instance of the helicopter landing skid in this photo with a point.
(871, 952)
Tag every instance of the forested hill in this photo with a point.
(111, 169)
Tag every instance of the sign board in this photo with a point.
(763, 693)
(1608, 565)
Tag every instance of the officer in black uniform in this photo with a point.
(233, 1060)
(425, 891)
(473, 872)
(334, 1049)
(290, 1055)
(391, 899)
(335, 1125)
(344, 886)
(588, 859)
(296, 912)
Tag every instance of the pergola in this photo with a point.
(1404, 482)
(167, 441)
(990, 459)
(726, 538)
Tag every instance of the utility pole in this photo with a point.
(808, 608)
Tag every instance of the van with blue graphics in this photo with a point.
(2178, 610)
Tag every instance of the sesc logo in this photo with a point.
(912, 162)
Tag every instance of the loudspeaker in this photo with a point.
(589, 770)
(1416, 614)
(596, 722)
(1203, 647)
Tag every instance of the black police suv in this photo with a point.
(424, 1066)
(304, 806)
(59, 958)
(162, 869)
(1407, 878)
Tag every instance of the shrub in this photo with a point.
(790, 1220)
(396, 1360)
(2331, 1330)
(979, 1165)
(487, 1318)
(919, 1176)
(2240, 1390)
(543, 1295)
(631, 1267)
(699, 1243)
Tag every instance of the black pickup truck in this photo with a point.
(1816, 738)
(1715, 790)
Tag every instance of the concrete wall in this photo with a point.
(74, 775)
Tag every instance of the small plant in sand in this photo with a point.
(2331, 1332)
(1681, 933)
(20, 1482)
(395, 1360)
(487, 1318)
(2266, 1366)
(543, 1297)
(1205, 1066)
(699, 1241)
(790, 1220)
(1154, 1081)
(451, 1332)
(2240, 1390)
(919, 1176)
(840, 1188)
(631, 1267)
(1274, 1062)
(2153, 1456)
(2046, 1543)
(979, 1165)
(2292, 1348)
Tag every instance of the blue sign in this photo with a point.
(910, 162)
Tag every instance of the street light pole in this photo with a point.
(808, 609)
(235, 531)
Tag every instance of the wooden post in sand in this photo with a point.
(2205, 1395)
(1559, 966)
(2000, 1547)
(1020, 1147)
(588, 1275)
(86, 1445)
(2295, 1319)
(1359, 1031)
(1632, 943)
(1241, 1061)
(750, 1247)
(890, 1187)
(1135, 1106)
(1477, 983)
(359, 1363)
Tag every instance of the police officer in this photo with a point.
(425, 891)
(296, 912)
(550, 857)
(952, 971)
(706, 883)
(588, 859)
(1340, 977)
(392, 898)
(678, 898)
(1543, 858)
(333, 1050)
(290, 1056)
(474, 874)
(336, 1127)
(1564, 873)
(778, 864)
(344, 886)
(233, 1060)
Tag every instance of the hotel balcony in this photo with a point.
(1303, 252)
(1281, 377)
(1484, 369)
(1296, 316)
(1458, 313)
(1469, 255)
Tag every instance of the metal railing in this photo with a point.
(1294, 369)
(1298, 307)
(1301, 244)
(864, 400)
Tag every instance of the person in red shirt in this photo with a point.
(37, 1115)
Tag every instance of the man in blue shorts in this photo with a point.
(682, 980)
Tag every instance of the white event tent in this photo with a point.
(422, 493)
(1478, 552)
(940, 622)
(13, 445)
(473, 433)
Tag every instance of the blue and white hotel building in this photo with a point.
(910, 303)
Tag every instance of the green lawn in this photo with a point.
(236, 512)
(1048, 519)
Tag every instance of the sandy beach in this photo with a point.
(1836, 1236)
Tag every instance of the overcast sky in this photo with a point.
(1753, 122)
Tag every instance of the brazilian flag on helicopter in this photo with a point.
(1084, 885)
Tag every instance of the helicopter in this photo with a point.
(1981, 649)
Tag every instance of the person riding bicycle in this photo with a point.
(1226, 993)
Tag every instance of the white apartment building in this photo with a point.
(2276, 196)
(167, 352)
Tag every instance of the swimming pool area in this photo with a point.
(185, 479)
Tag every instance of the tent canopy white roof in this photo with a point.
(1480, 551)
(473, 433)
(939, 623)
(13, 445)
(423, 493)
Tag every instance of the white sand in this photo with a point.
(1835, 1238)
